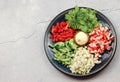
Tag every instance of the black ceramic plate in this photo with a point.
(106, 57)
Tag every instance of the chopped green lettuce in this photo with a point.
(82, 19)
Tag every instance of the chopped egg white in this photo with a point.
(82, 62)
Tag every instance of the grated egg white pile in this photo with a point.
(82, 62)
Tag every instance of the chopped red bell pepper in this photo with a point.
(62, 32)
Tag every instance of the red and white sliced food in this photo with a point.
(99, 41)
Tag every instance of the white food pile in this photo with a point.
(82, 62)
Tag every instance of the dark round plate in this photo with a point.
(106, 57)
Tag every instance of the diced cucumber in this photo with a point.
(63, 51)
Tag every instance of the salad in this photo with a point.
(80, 41)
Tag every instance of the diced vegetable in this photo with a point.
(63, 51)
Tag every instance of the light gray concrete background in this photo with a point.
(22, 27)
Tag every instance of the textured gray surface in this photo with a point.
(22, 28)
